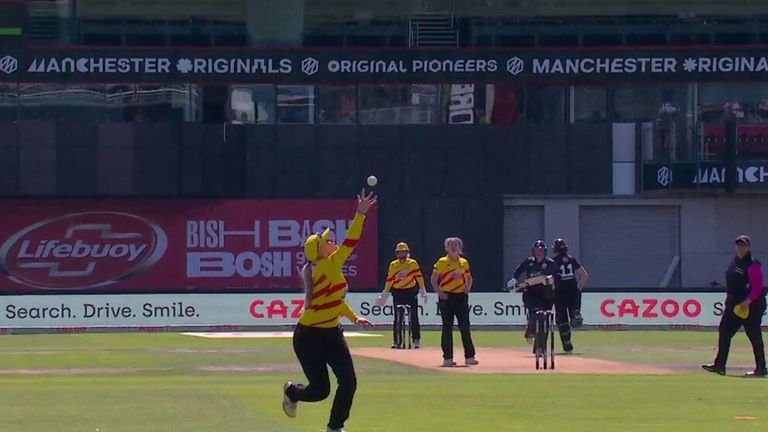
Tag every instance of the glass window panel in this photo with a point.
(186, 23)
(287, 22)
(52, 102)
(636, 103)
(253, 104)
(399, 104)
(134, 39)
(164, 10)
(504, 103)
(748, 95)
(337, 104)
(360, 20)
(603, 8)
(231, 40)
(482, 104)
(9, 102)
(752, 142)
(153, 102)
(663, 109)
(102, 39)
(195, 40)
(590, 104)
(546, 105)
(295, 104)
(644, 102)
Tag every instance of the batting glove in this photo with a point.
(511, 284)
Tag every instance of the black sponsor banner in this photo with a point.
(707, 175)
(384, 65)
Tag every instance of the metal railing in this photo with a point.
(433, 30)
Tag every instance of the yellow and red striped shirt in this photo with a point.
(404, 275)
(327, 302)
(452, 275)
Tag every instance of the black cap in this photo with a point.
(743, 239)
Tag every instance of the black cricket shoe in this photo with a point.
(714, 369)
(568, 347)
(757, 373)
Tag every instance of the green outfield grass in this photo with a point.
(171, 382)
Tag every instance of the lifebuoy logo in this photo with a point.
(82, 250)
(650, 308)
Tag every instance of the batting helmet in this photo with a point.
(560, 246)
(402, 247)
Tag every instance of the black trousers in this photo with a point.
(456, 305)
(407, 297)
(535, 302)
(316, 348)
(567, 302)
(730, 325)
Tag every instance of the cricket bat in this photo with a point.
(536, 280)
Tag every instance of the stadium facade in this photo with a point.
(478, 116)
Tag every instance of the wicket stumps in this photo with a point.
(403, 326)
(544, 322)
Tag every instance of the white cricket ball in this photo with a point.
(372, 180)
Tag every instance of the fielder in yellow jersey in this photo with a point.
(452, 281)
(318, 339)
(403, 276)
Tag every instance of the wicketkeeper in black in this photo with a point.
(570, 279)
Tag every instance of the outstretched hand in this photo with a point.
(364, 202)
(363, 322)
(381, 300)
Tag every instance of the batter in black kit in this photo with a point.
(745, 305)
(570, 278)
(538, 297)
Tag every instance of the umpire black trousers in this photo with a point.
(316, 348)
(730, 325)
(410, 298)
(456, 305)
